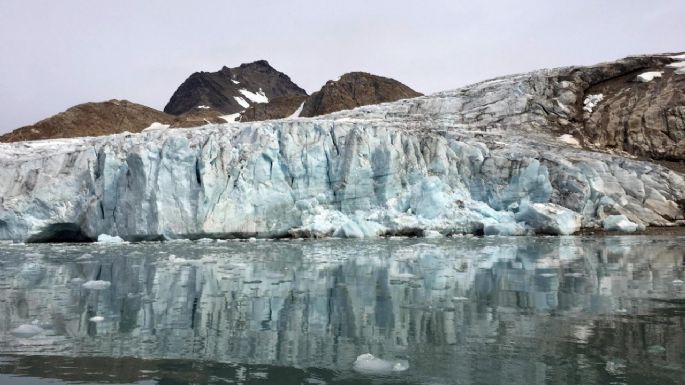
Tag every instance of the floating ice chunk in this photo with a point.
(156, 126)
(569, 139)
(26, 330)
(297, 112)
(647, 77)
(105, 238)
(549, 218)
(97, 285)
(231, 118)
(432, 234)
(96, 319)
(591, 101)
(677, 282)
(506, 228)
(243, 103)
(258, 97)
(619, 223)
(367, 363)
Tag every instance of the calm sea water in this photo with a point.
(526, 310)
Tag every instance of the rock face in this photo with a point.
(111, 117)
(277, 108)
(632, 106)
(232, 90)
(353, 90)
(91, 119)
(486, 156)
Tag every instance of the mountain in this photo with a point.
(91, 119)
(277, 108)
(505, 156)
(232, 90)
(107, 118)
(351, 90)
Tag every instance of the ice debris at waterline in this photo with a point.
(367, 363)
(485, 158)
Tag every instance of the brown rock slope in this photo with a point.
(352, 90)
(355, 89)
(277, 108)
(91, 119)
(608, 108)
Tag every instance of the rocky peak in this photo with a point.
(351, 90)
(355, 89)
(232, 90)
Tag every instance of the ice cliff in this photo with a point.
(492, 158)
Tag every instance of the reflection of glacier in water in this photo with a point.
(481, 310)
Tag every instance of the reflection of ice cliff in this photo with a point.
(322, 304)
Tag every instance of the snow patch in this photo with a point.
(678, 57)
(156, 126)
(591, 101)
(203, 107)
(678, 64)
(569, 139)
(235, 81)
(231, 118)
(243, 103)
(297, 112)
(258, 97)
(647, 77)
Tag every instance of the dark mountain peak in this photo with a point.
(232, 90)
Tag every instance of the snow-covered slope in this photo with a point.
(491, 157)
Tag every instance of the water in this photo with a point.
(527, 310)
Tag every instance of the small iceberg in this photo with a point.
(26, 331)
(96, 319)
(97, 285)
(105, 238)
(367, 363)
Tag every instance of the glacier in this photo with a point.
(482, 159)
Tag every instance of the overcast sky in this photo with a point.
(56, 54)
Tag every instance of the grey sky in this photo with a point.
(59, 53)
